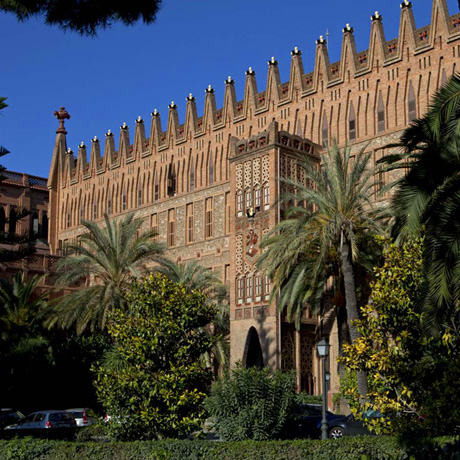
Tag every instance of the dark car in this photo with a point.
(351, 426)
(306, 423)
(9, 416)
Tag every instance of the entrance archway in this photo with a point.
(253, 356)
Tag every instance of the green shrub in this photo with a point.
(158, 388)
(370, 448)
(251, 403)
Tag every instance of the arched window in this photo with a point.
(351, 123)
(325, 131)
(257, 197)
(249, 288)
(45, 226)
(109, 205)
(13, 220)
(211, 169)
(124, 201)
(156, 188)
(248, 198)
(139, 197)
(411, 103)
(380, 114)
(2, 219)
(258, 287)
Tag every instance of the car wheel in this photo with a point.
(336, 432)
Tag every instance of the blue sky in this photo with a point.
(129, 71)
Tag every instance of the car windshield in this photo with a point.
(77, 414)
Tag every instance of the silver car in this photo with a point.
(45, 420)
(83, 416)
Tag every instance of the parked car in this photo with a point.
(37, 423)
(306, 423)
(9, 416)
(351, 426)
(83, 416)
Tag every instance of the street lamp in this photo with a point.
(323, 352)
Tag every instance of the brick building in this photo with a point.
(209, 185)
(18, 192)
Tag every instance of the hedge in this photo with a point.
(370, 448)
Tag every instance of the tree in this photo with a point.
(426, 197)
(195, 277)
(3, 150)
(333, 221)
(413, 378)
(251, 403)
(24, 350)
(84, 17)
(107, 259)
(159, 391)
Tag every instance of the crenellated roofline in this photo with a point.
(381, 52)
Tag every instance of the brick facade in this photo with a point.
(366, 98)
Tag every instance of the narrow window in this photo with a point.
(352, 124)
(156, 188)
(211, 169)
(257, 197)
(249, 288)
(266, 196)
(171, 227)
(380, 114)
(94, 211)
(35, 224)
(192, 176)
(208, 230)
(412, 105)
(248, 198)
(266, 287)
(325, 131)
(139, 197)
(189, 224)
(172, 180)
(258, 287)
(154, 225)
(239, 203)
(124, 201)
(227, 275)
(67, 225)
(109, 206)
(227, 213)
(240, 289)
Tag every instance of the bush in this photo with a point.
(158, 387)
(370, 448)
(251, 403)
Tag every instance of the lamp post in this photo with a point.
(323, 352)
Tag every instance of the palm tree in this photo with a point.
(195, 277)
(427, 197)
(20, 307)
(329, 227)
(107, 258)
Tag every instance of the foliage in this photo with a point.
(426, 198)
(83, 17)
(109, 257)
(251, 403)
(195, 277)
(3, 150)
(327, 233)
(160, 389)
(305, 398)
(413, 378)
(370, 448)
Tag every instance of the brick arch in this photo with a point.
(252, 355)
